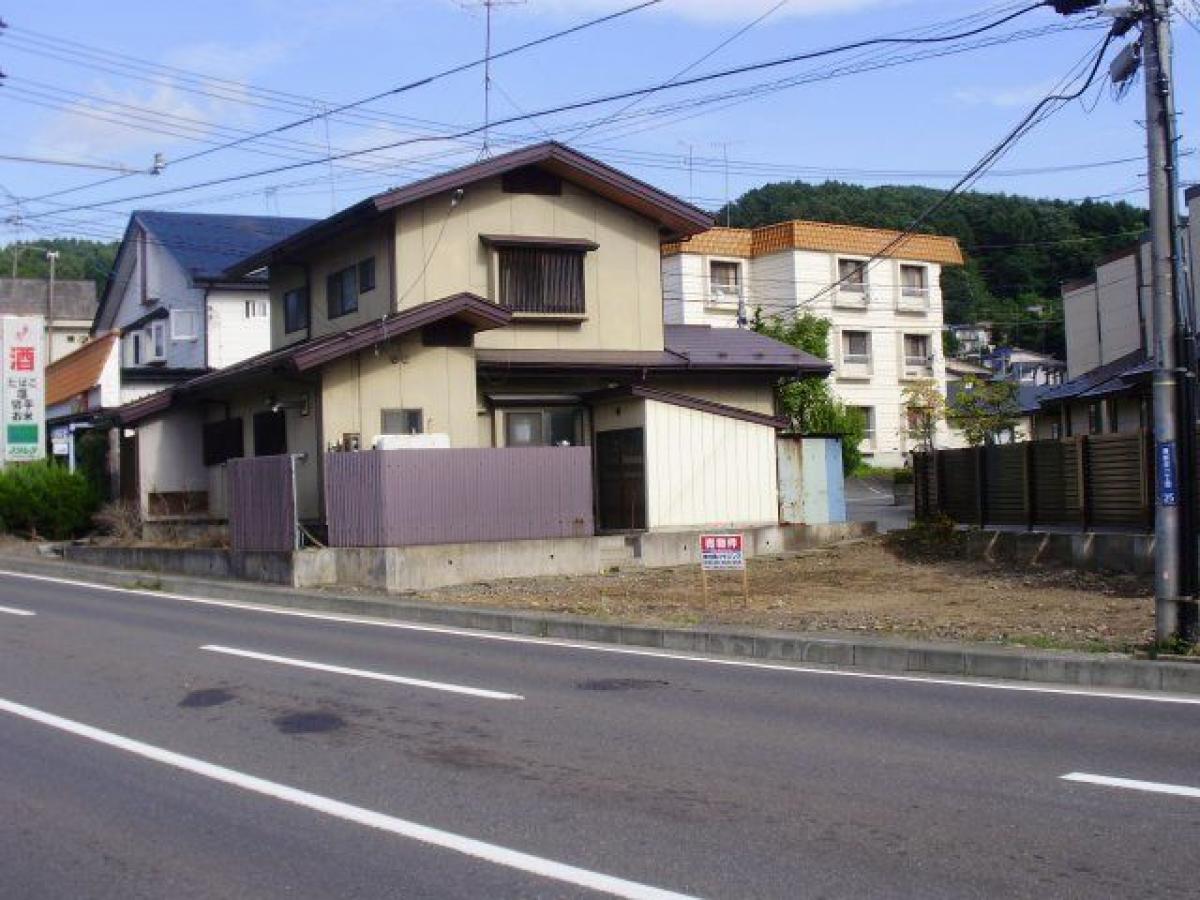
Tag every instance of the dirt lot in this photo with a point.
(883, 586)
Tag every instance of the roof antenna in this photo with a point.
(488, 6)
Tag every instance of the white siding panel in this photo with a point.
(707, 470)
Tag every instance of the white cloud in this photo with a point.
(1003, 97)
(116, 125)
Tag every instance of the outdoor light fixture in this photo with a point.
(299, 403)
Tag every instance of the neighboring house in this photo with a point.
(972, 340)
(1108, 323)
(68, 312)
(957, 371)
(886, 317)
(177, 314)
(1026, 367)
(516, 302)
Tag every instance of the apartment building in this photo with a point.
(886, 313)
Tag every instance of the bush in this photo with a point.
(43, 499)
(902, 476)
(120, 519)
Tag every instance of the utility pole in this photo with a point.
(52, 258)
(1173, 425)
(1173, 342)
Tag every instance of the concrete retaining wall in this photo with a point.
(405, 569)
(1091, 551)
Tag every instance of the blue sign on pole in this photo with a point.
(1168, 484)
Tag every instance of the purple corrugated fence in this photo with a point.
(262, 505)
(399, 498)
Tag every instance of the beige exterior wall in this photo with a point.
(440, 381)
(168, 457)
(439, 253)
(730, 478)
(755, 396)
(1117, 301)
(1082, 330)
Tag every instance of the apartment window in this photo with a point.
(295, 310)
(402, 421)
(916, 351)
(725, 278)
(541, 280)
(562, 427)
(914, 281)
(852, 275)
(366, 275)
(257, 309)
(867, 414)
(341, 292)
(185, 325)
(856, 348)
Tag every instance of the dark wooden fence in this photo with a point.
(1085, 482)
(262, 503)
(398, 498)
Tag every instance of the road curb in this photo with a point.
(845, 652)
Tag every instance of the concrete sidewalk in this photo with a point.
(832, 650)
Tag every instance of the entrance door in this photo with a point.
(129, 467)
(621, 479)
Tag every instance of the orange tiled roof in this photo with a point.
(822, 236)
(78, 372)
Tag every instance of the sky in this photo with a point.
(114, 84)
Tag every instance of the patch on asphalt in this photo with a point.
(206, 697)
(314, 722)
(620, 684)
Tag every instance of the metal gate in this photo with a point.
(262, 503)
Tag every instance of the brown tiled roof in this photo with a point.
(823, 236)
(78, 372)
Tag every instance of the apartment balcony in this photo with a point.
(849, 295)
(913, 300)
(723, 297)
(855, 367)
(916, 368)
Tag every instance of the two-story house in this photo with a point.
(886, 316)
(515, 302)
(167, 295)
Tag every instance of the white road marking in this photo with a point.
(1152, 787)
(9, 610)
(363, 673)
(480, 635)
(501, 856)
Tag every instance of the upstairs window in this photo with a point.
(914, 281)
(725, 278)
(852, 275)
(341, 291)
(256, 309)
(916, 351)
(185, 325)
(366, 275)
(856, 348)
(295, 310)
(541, 280)
(402, 421)
(552, 427)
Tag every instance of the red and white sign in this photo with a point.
(23, 393)
(722, 552)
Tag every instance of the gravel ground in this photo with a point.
(879, 586)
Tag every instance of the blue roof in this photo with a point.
(206, 244)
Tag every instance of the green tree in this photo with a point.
(924, 408)
(808, 403)
(984, 409)
(77, 259)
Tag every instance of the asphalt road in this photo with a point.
(871, 500)
(137, 763)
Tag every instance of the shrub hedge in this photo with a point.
(43, 499)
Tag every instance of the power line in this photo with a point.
(567, 107)
(1031, 119)
(487, 59)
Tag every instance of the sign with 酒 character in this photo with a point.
(24, 388)
(722, 552)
